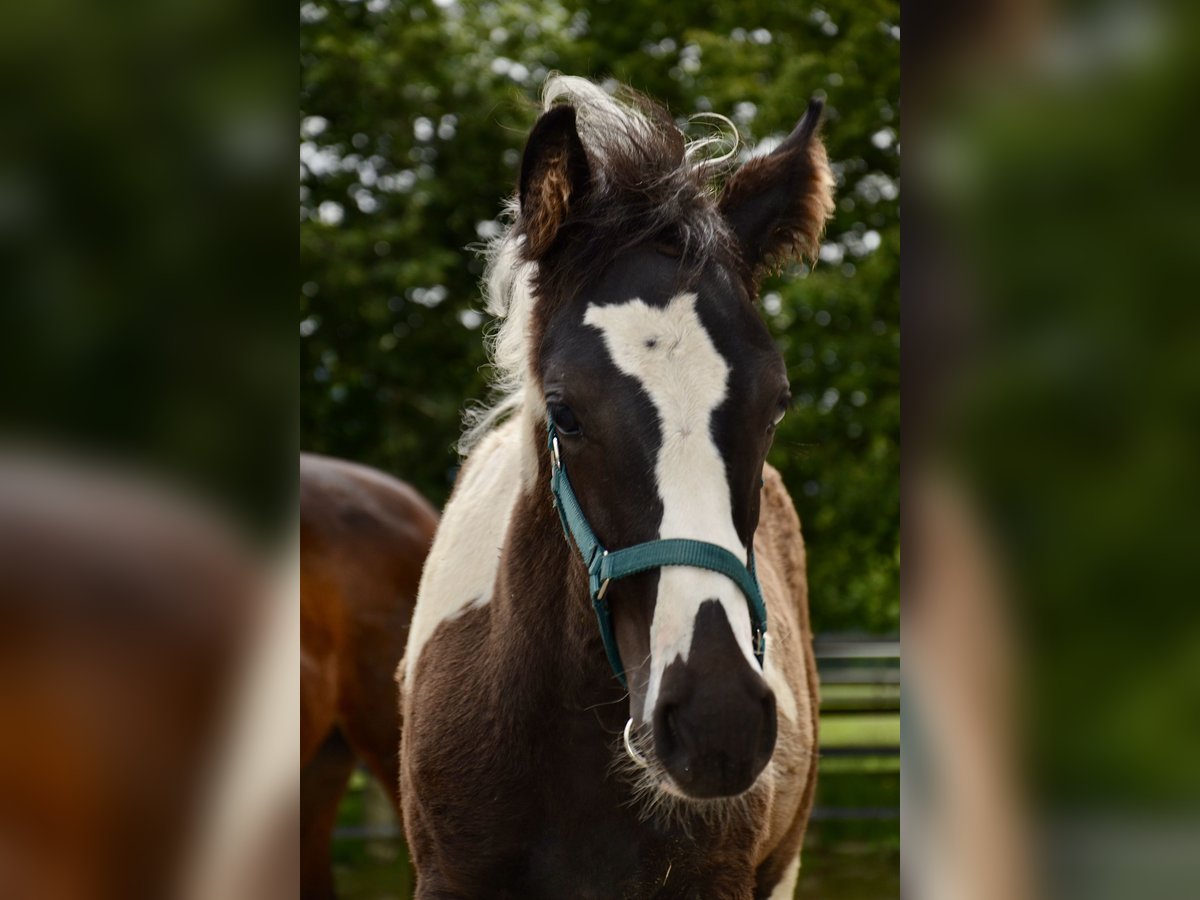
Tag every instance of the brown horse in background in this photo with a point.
(363, 540)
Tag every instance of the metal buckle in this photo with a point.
(604, 584)
(554, 452)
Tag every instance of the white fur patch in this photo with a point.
(786, 889)
(776, 678)
(460, 571)
(508, 295)
(671, 355)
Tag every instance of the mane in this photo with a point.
(650, 182)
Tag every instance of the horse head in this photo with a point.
(662, 389)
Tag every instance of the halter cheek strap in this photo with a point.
(604, 567)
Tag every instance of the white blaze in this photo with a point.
(671, 355)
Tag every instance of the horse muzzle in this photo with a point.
(714, 722)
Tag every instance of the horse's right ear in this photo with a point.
(554, 177)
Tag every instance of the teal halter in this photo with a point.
(604, 567)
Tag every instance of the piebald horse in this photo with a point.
(590, 706)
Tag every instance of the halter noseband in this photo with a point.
(604, 567)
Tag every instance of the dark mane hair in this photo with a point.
(644, 190)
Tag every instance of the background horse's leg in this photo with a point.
(372, 727)
(322, 783)
(368, 706)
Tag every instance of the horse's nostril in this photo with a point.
(668, 736)
(669, 731)
(672, 725)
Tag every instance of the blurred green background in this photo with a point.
(413, 115)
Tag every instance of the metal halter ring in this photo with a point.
(637, 757)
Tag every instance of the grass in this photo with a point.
(874, 730)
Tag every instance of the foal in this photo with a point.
(590, 706)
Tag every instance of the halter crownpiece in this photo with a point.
(604, 567)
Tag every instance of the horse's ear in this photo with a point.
(554, 176)
(777, 204)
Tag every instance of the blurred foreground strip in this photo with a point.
(148, 707)
(1051, 395)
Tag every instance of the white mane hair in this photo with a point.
(603, 121)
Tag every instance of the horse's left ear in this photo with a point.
(777, 204)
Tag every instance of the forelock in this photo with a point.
(648, 181)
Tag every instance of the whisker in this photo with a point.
(622, 699)
(652, 801)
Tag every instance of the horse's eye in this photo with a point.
(785, 404)
(564, 420)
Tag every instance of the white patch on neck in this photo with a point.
(786, 889)
(671, 355)
(776, 678)
(461, 568)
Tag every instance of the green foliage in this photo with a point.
(412, 119)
